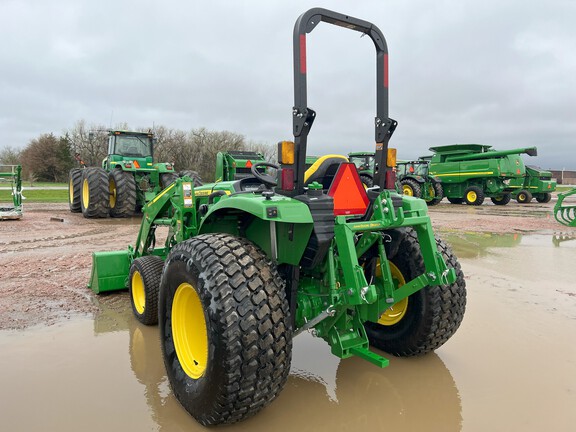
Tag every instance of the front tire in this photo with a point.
(411, 188)
(474, 196)
(430, 316)
(225, 328)
(524, 196)
(122, 187)
(95, 200)
(143, 286)
(437, 193)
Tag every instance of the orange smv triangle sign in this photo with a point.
(348, 191)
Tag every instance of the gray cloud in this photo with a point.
(492, 72)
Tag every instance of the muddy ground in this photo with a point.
(45, 258)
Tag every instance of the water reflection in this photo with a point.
(559, 238)
(475, 245)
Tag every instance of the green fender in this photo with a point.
(257, 219)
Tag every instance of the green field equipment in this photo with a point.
(12, 175)
(233, 271)
(414, 180)
(471, 172)
(126, 181)
(536, 184)
(234, 165)
(565, 212)
(364, 162)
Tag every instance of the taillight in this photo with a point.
(287, 179)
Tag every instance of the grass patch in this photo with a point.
(36, 196)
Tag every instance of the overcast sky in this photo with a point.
(501, 72)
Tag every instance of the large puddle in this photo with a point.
(511, 366)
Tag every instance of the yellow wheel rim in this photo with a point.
(395, 313)
(471, 196)
(407, 190)
(138, 292)
(85, 193)
(112, 188)
(189, 331)
(71, 191)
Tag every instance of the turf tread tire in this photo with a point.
(125, 185)
(434, 313)
(150, 268)
(99, 193)
(75, 190)
(248, 325)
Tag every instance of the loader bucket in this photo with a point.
(110, 271)
(565, 213)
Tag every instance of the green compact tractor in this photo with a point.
(234, 165)
(12, 174)
(233, 271)
(536, 184)
(127, 180)
(364, 162)
(471, 172)
(565, 212)
(414, 180)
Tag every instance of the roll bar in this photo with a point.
(303, 116)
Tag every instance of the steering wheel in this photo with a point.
(265, 179)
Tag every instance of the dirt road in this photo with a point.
(45, 258)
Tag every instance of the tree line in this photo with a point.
(49, 157)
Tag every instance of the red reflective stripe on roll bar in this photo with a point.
(386, 70)
(302, 53)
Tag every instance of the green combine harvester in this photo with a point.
(472, 172)
(565, 212)
(12, 174)
(127, 180)
(233, 271)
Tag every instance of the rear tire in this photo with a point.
(224, 295)
(501, 199)
(75, 190)
(524, 196)
(432, 315)
(166, 179)
(367, 180)
(122, 187)
(196, 179)
(474, 196)
(95, 198)
(411, 188)
(544, 198)
(438, 194)
(143, 286)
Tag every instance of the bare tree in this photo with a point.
(88, 142)
(9, 156)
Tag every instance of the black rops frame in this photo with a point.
(303, 117)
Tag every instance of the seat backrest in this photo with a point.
(324, 170)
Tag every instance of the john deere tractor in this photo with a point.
(242, 267)
(234, 165)
(127, 180)
(414, 179)
(364, 162)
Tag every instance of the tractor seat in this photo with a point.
(324, 170)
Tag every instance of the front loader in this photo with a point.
(233, 271)
(13, 175)
(565, 212)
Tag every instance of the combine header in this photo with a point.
(249, 264)
(12, 174)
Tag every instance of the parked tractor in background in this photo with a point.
(471, 172)
(127, 180)
(12, 174)
(249, 264)
(414, 180)
(565, 212)
(235, 165)
(536, 184)
(364, 162)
